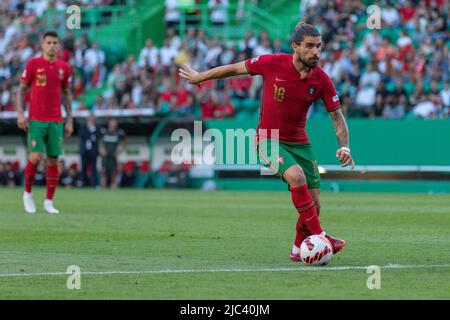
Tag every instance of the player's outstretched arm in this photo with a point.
(229, 70)
(341, 130)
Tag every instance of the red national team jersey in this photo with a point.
(46, 80)
(286, 98)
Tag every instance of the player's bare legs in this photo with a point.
(52, 177)
(306, 202)
(30, 173)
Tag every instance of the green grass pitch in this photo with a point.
(147, 244)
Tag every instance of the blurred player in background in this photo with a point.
(112, 143)
(291, 84)
(89, 136)
(49, 79)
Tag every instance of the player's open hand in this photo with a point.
(68, 129)
(22, 122)
(343, 154)
(189, 74)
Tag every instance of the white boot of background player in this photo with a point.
(28, 202)
(48, 206)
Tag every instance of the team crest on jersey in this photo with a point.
(311, 91)
(61, 73)
(254, 59)
(33, 143)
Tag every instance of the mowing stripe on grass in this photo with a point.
(166, 271)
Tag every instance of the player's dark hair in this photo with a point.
(50, 34)
(303, 29)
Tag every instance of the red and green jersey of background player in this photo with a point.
(46, 80)
(286, 98)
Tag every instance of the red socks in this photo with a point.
(308, 222)
(30, 173)
(52, 177)
(301, 234)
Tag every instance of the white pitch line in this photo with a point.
(167, 271)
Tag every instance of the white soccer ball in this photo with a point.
(316, 250)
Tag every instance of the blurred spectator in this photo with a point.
(93, 67)
(445, 95)
(407, 12)
(183, 56)
(167, 54)
(395, 108)
(5, 71)
(69, 177)
(148, 58)
(378, 107)
(264, 47)
(8, 176)
(99, 104)
(223, 106)
(212, 57)
(184, 101)
(174, 39)
(248, 44)
(240, 87)
(172, 15)
(426, 108)
(278, 47)
(218, 11)
(371, 77)
(385, 49)
(365, 100)
(390, 15)
(127, 174)
(404, 44)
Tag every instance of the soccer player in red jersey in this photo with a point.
(291, 84)
(49, 79)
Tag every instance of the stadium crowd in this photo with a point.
(399, 71)
(402, 68)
